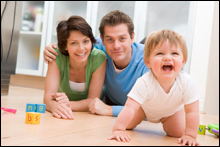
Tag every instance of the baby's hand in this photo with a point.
(188, 140)
(120, 136)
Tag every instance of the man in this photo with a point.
(125, 62)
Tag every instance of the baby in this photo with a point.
(164, 93)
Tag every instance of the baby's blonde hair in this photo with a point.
(159, 37)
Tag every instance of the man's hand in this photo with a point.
(97, 106)
(48, 56)
(188, 140)
(120, 136)
(61, 110)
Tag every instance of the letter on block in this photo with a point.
(31, 107)
(41, 108)
(32, 118)
(202, 129)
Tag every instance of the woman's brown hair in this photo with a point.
(74, 23)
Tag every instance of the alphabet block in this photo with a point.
(41, 108)
(32, 118)
(202, 129)
(31, 107)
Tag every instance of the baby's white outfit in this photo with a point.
(158, 104)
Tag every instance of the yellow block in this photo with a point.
(202, 129)
(32, 117)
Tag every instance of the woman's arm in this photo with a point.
(95, 89)
(51, 86)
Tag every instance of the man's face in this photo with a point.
(117, 42)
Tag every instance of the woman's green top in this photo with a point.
(95, 60)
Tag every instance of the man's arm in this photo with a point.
(97, 106)
(50, 52)
(116, 110)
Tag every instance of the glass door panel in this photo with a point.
(63, 10)
(105, 7)
(173, 15)
(28, 58)
(167, 15)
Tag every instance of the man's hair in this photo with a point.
(74, 23)
(159, 37)
(115, 18)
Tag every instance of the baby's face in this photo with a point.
(166, 61)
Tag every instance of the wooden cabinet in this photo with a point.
(32, 38)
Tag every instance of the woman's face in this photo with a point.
(78, 46)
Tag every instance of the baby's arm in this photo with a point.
(123, 120)
(192, 124)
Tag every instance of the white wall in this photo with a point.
(211, 105)
(201, 48)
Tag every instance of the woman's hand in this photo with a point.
(61, 98)
(61, 110)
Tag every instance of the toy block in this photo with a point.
(41, 108)
(31, 107)
(32, 118)
(202, 129)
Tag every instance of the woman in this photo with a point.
(77, 75)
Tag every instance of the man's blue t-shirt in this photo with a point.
(118, 85)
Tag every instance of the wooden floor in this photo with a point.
(85, 130)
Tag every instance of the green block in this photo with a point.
(202, 129)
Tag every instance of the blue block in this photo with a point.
(41, 108)
(31, 107)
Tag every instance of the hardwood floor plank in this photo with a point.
(86, 129)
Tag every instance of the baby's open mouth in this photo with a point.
(167, 67)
